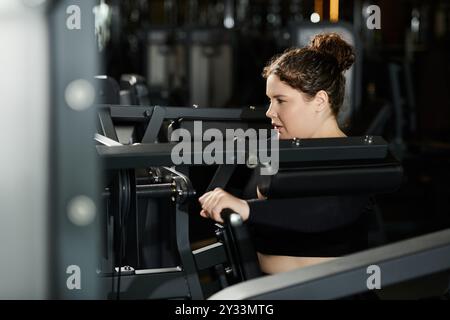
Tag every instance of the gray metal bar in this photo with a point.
(106, 141)
(107, 125)
(74, 245)
(183, 242)
(187, 259)
(409, 87)
(128, 113)
(138, 113)
(160, 190)
(348, 275)
(209, 256)
(221, 177)
(161, 285)
(144, 155)
(154, 125)
(397, 101)
(204, 113)
(157, 270)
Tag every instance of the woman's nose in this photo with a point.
(271, 112)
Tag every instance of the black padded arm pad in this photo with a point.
(360, 177)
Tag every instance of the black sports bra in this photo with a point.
(325, 226)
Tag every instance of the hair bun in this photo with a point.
(333, 44)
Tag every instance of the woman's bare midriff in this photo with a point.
(274, 264)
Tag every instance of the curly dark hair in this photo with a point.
(319, 66)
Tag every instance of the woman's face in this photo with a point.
(292, 115)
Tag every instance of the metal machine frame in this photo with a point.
(74, 163)
(166, 282)
(155, 283)
(343, 277)
(156, 115)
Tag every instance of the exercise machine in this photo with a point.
(326, 164)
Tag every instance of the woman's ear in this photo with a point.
(321, 101)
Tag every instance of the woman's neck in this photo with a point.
(329, 129)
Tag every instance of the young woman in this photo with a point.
(306, 89)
